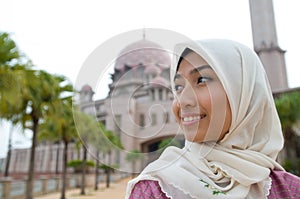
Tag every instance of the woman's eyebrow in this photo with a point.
(195, 70)
(198, 69)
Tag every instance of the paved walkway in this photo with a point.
(116, 191)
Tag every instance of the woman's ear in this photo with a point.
(176, 109)
(175, 103)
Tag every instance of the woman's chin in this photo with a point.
(191, 138)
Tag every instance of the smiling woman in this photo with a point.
(224, 104)
(197, 87)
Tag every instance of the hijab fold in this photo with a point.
(239, 165)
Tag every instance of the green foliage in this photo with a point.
(107, 140)
(107, 168)
(288, 166)
(59, 123)
(78, 163)
(289, 113)
(40, 101)
(288, 107)
(86, 126)
(134, 155)
(12, 68)
(8, 49)
(168, 142)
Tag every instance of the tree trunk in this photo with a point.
(133, 169)
(108, 170)
(83, 171)
(8, 152)
(57, 158)
(29, 187)
(97, 170)
(107, 177)
(64, 176)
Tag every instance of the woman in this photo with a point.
(224, 105)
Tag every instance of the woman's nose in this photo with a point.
(188, 97)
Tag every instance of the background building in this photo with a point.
(266, 45)
(138, 105)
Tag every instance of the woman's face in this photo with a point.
(200, 105)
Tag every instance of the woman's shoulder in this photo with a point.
(284, 185)
(147, 189)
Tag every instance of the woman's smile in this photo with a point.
(188, 119)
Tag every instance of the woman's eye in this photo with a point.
(203, 80)
(178, 87)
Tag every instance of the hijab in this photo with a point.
(238, 166)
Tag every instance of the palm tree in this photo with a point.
(94, 134)
(25, 95)
(11, 68)
(111, 142)
(59, 124)
(103, 142)
(100, 145)
(87, 128)
(39, 91)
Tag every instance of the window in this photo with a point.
(154, 119)
(118, 120)
(160, 94)
(166, 117)
(142, 120)
(153, 94)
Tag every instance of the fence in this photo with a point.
(16, 189)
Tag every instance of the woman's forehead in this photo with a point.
(195, 70)
(191, 63)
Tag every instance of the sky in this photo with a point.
(59, 35)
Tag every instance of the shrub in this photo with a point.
(77, 165)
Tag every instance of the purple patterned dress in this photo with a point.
(284, 186)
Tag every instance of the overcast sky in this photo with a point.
(59, 35)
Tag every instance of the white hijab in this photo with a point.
(239, 165)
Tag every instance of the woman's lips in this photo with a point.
(191, 119)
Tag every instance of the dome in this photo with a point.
(142, 52)
(152, 69)
(87, 87)
(159, 81)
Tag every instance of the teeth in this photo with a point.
(191, 118)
